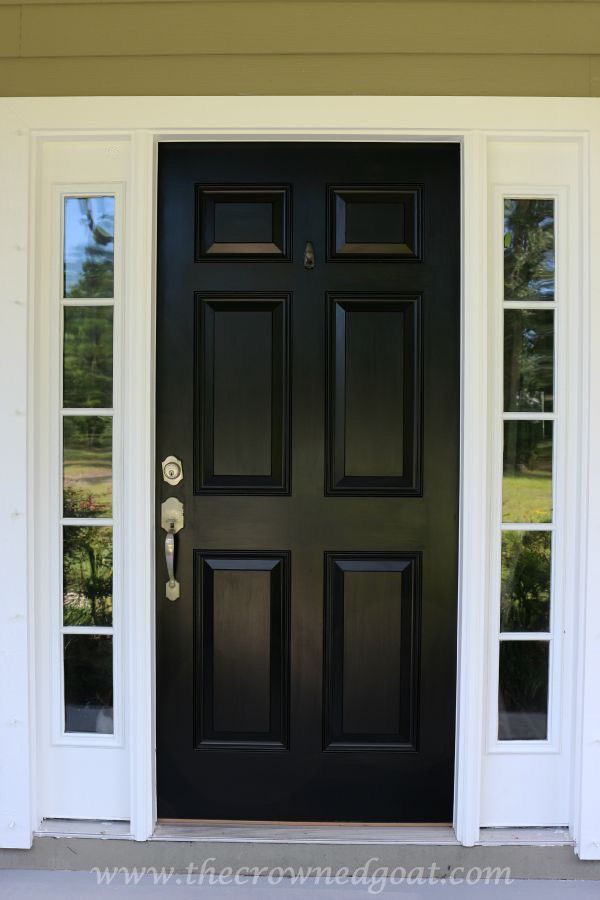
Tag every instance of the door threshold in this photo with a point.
(304, 824)
(221, 831)
(303, 833)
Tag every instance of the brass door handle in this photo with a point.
(172, 522)
(172, 585)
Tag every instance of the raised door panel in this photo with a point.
(374, 395)
(374, 222)
(243, 223)
(372, 650)
(242, 394)
(241, 650)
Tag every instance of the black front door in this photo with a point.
(308, 378)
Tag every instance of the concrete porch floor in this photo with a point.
(536, 854)
(22, 885)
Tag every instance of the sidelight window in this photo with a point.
(526, 614)
(87, 404)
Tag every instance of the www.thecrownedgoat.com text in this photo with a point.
(373, 876)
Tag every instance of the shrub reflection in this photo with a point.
(525, 592)
(523, 691)
(88, 683)
(87, 575)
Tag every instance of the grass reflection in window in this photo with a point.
(87, 458)
(527, 478)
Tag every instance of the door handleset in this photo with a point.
(172, 522)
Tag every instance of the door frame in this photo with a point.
(473, 509)
(142, 123)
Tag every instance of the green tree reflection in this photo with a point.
(87, 566)
(88, 357)
(89, 231)
(528, 249)
(528, 360)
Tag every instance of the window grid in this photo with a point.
(510, 638)
(91, 677)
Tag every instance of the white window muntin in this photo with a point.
(553, 743)
(60, 736)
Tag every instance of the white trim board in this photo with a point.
(65, 761)
(517, 775)
(139, 123)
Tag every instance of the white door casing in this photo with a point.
(99, 140)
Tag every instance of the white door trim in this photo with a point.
(474, 529)
(139, 501)
(145, 121)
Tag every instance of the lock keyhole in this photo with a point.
(172, 470)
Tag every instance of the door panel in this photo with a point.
(374, 222)
(371, 671)
(374, 392)
(241, 413)
(235, 222)
(307, 670)
(242, 642)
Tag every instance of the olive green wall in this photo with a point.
(485, 47)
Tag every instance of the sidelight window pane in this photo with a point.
(523, 691)
(525, 591)
(528, 249)
(528, 360)
(88, 357)
(87, 461)
(527, 475)
(87, 575)
(88, 671)
(89, 250)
